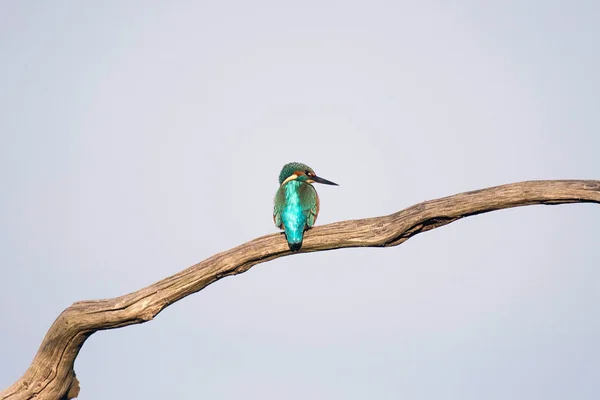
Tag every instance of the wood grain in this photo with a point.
(51, 374)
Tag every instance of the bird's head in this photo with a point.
(302, 173)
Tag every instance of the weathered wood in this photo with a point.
(51, 375)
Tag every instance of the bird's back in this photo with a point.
(296, 209)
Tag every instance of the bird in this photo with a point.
(296, 202)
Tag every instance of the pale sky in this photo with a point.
(138, 138)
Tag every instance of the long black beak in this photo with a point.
(321, 180)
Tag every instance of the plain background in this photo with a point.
(138, 138)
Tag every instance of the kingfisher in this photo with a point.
(296, 202)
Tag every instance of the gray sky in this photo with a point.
(138, 138)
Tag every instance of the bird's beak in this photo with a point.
(321, 180)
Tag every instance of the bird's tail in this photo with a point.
(295, 239)
(295, 246)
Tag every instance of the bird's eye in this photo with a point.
(307, 172)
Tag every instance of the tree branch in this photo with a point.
(51, 374)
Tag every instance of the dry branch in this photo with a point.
(51, 374)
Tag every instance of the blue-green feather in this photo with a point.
(296, 208)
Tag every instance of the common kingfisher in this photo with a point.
(296, 202)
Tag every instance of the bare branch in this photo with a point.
(51, 374)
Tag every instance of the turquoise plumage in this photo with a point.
(296, 202)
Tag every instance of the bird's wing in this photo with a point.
(278, 208)
(310, 203)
